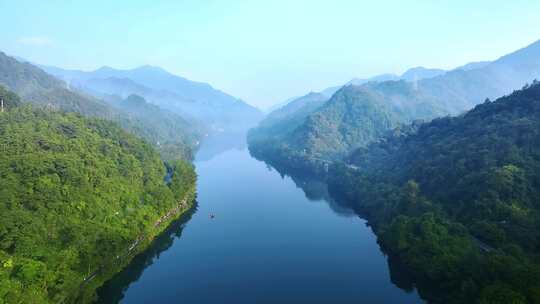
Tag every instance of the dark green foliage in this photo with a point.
(268, 140)
(353, 117)
(456, 200)
(74, 194)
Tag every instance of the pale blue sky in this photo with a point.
(267, 51)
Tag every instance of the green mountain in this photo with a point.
(79, 196)
(314, 132)
(357, 115)
(456, 200)
(289, 116)
(173, 135)
(353, 116)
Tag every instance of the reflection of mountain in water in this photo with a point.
(317, 190)
(219, 143)
(113, 290)
(314, 188)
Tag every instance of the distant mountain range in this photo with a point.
(175, 136)
(361, 111)
(413, 74)
(180, 95)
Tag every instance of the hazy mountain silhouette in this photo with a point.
(181, 95)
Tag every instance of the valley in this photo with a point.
(284, 152)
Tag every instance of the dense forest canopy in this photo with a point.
(76, 192)
(457, 200)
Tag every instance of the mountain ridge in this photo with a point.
(175, 93)
(448, 93)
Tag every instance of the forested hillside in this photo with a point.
(456, 200)
(333, 130)
(76, 194)
(173, 135)
(288, 117)
(354, 117)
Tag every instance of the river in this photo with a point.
(271, 241)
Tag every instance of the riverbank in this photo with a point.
(269, 242)
(87, 292)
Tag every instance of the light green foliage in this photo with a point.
(74, 194)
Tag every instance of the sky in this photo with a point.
(267, 51)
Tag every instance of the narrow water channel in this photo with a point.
(268, 243)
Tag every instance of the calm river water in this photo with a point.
(269, 242)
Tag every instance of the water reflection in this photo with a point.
(269, 243)
(113, 291)
(218, 143)
(314, 188)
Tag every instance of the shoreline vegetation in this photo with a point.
(141, 244)
(114, 288)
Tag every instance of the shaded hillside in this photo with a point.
(170, 133)
(9, 99)
(456, 200)
(288, 117)
(354, 117)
